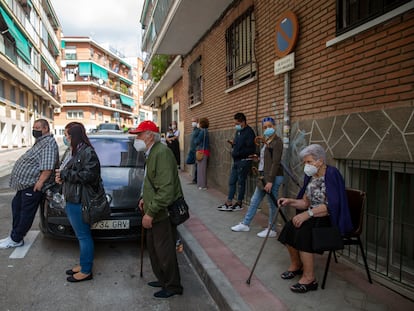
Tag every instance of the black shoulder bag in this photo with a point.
(178, 211)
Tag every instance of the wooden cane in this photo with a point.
(142, 249)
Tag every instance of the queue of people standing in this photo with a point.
(321, 202)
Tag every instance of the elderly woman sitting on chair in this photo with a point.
(321, 202)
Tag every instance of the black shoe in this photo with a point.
(154, 284)
(166, 294)
(287, 275)
(303, 288)
(73, 280)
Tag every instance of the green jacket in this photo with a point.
(162, 173)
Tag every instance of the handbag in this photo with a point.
(199, 155)
(326, 239)
(178, 212)
(95, 206)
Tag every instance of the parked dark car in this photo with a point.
(122, 171)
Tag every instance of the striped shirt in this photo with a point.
(43, 156)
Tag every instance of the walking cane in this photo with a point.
(142, 249)
(268, 231)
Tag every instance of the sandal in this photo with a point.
(303, 288)
(287, 275)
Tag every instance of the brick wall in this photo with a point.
(372, 71)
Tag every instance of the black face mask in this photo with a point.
(36, 134)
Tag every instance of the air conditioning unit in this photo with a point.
(57, 110)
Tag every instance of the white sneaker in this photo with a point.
(9, 243)
(240, 228)
(262, 234)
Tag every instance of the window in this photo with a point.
(21, 98)
(2, 89)
(74, 114)
(389, 215)
(93, 115)
(352, 13)
(195, 82)
(100, 116)
(71, 96)
(13, 94)
(240, 49)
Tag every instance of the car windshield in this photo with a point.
(117, 152)
(108, 126)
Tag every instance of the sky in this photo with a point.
(113, 22)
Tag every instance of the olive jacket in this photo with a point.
(162, 185)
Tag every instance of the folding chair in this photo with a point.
(356, 202)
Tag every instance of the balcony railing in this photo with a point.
(159, 16)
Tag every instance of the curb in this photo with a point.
(215, 281)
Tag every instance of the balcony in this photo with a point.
(176, 26)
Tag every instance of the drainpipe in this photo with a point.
(286, 114)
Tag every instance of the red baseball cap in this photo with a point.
(145, 126)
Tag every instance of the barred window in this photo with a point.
(240, 49)
(352, 13)
(195, 82)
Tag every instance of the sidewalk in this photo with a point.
(224, 260)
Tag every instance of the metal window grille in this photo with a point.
(240, 49)
(389, 217)
(352, 13)
(195, 82)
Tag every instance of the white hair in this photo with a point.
(316, 151)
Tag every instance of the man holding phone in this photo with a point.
(243, 146)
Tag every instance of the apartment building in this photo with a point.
(29, 71)
(97, 85)
(346, 82)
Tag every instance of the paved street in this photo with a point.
(37, 281)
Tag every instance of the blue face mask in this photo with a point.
(66, 141)
(238, 127)
(269, 132)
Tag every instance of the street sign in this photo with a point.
(287, 31)
(285, 64)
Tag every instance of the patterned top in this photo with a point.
(316, 191)
(43, 156)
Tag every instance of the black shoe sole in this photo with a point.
(73, 280)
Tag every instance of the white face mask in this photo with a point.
(174, 127)
(140, 145)
(194, 124)
(310, 170)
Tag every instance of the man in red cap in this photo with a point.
(161, 188)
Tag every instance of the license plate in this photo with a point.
(111, 224)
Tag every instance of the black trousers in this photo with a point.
(161, 249)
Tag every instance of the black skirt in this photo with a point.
(301, 238)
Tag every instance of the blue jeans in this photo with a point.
(238, 176)
(257, 197)
(83, 233)
(24, 207)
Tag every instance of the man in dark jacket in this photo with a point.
(243, 147)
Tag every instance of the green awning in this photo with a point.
(62, 44)
(22, 45)
(84, 69)
(127, 101)
(99, 72)
(127, 81)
